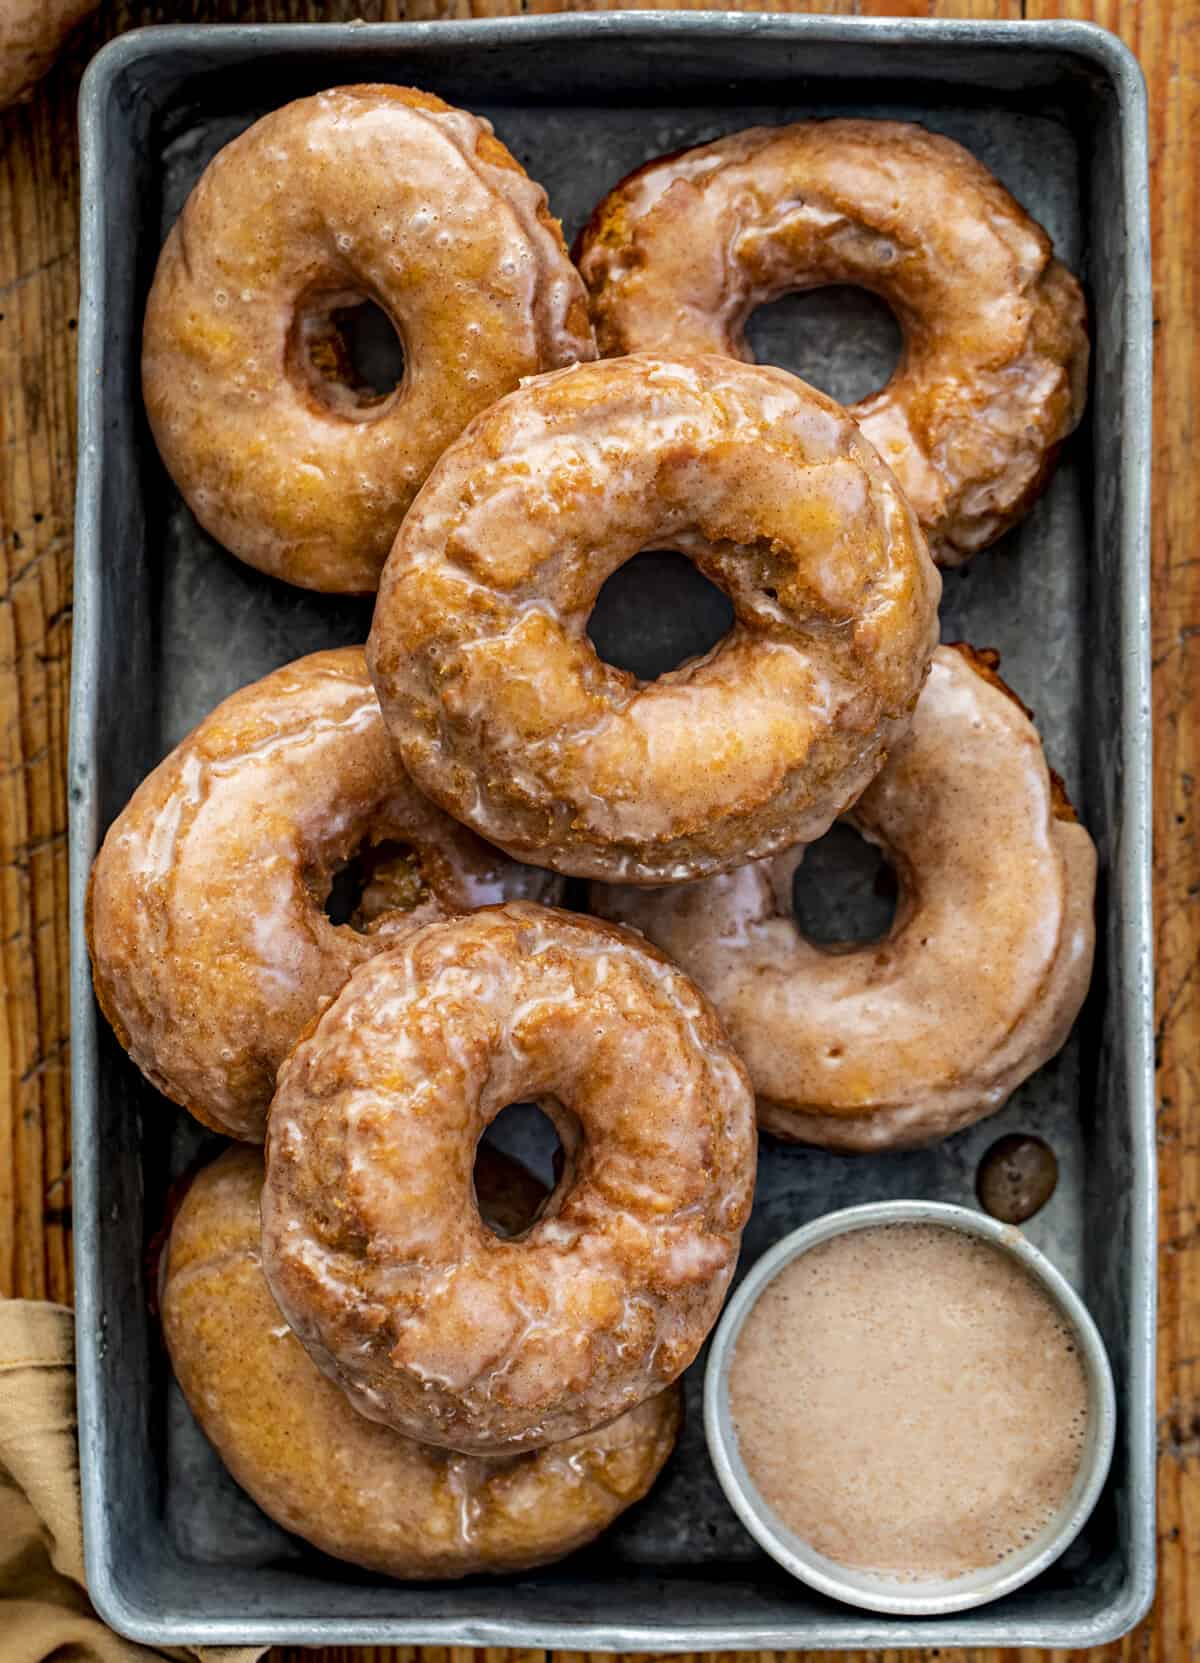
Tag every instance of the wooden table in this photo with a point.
(38, 308)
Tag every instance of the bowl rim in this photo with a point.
(863, 1589)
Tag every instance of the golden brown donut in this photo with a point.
(994, 371)
(351, 1487)
(372, 1239)
(901, 1041)
(32, 34)
(211, 949)
(372, 192)
(506, 716)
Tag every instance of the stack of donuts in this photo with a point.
(405, 1347)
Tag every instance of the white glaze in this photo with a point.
(211, 951)
(994, 371)
(345, 1483)
(360, 192)
(372, 1240)
(981, 975)
(506, 716)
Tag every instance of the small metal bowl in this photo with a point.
(872, 1590)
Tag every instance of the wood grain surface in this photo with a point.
(38, 308)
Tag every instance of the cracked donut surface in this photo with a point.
(372, 1240)
(993, 375)
(976, 984)
(360, 193)
(351, 1487)
(211, 949)
(503, 711)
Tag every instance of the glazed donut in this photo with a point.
(502, 710)
(349, 1486)
(210, 947)
(902, 1041)
(994, 371)
(372, 1240)
(32, 34)
(372, 192)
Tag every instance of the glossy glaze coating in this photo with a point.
(371, 192)
(907, 1039)
(503, 711)
(211, 949)
(994, 370)
(32, 33)
(349, 1486)
(372, 1240)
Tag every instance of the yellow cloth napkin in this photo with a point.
(44, 1609)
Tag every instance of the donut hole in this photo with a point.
(844, 340)
(844, 892)
(514, 1192)
(656, 612)
(349, 352)
(373, 349)
(378, 878)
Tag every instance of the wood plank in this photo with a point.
(38, 299)
(38, 287)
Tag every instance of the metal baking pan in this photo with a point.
(166, 623)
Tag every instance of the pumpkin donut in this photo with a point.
(362, 193)
(32, 34)
(902, 1041)
(372, 1240)
(994, 370)
(211, 949)
(346, 1484)
(503, 711)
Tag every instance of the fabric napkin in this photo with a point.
(44, 1608)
